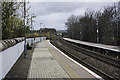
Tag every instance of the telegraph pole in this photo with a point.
(25, 45)
(40, 25)
(40, 31)
(97, 32)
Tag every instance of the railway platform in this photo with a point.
(102, 46)
(49, 62)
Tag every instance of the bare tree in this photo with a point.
(102, 26)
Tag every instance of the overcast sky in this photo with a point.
(55, 14)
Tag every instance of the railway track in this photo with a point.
(76, 48)
(90, 53)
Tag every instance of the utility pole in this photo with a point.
(40, 25)
(25, 45)
(97, 32)
(32, 16)
(43, 26)
(40, 30)
(118, 29)
(31, 30)
(80, 31)
(31, 22)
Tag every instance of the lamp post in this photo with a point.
(43, 26)
(40, 25)
(25, 45)
(118, 27)
(40, 30)
(80, 31)
(31, 30)
(97, 32)
(32, 16)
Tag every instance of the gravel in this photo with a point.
(111, 70)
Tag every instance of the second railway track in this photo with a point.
(98, 56)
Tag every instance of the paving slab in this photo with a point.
(44, 65)
(49, 62)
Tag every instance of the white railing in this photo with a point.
(33, 40)
(9, 56)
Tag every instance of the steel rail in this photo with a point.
(93, 54)
(106, 76)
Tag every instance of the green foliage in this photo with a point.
(42, 35)
(28, 35)
(32, 35)
(47, 35)
(36, 35)
(13, 19)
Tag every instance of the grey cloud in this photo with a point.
(44, 8)
(54, 14)
(48, 8)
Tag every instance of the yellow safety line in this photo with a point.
(65, 66)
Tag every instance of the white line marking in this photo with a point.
(91, 72)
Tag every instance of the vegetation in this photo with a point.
(48, 32)
(13, 19)
(47, 35)
(34, 35)
(31, 35)
(101, 26)
(43, 32)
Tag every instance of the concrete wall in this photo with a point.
(10, 54)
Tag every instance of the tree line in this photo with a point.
(13, 19)
(96, 26)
